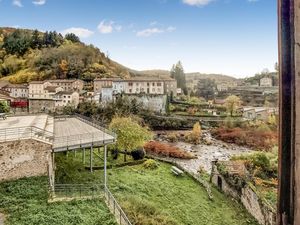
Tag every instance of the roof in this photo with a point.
(219, 101)
(64, 80)
(37, 82)
(23, 86)
(135, 79)
(65, 92)
(51, 88)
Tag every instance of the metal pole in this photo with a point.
(105, 156)
(91, 159)
(83, 156)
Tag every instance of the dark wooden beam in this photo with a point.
(286, 203)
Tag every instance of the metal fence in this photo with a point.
(78, 191)
(28, 132)
(115, 208)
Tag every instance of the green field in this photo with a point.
(25, 203)
(158, 194)
(149, 197)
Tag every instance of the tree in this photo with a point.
(72, 37)
(17, 42)
(4, 107)
(130, 134)
(177, 72)
(36, 41)
(206, 89)
(232, 103)
(196, 133)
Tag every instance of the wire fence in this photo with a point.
(115, 208)
(90, 191)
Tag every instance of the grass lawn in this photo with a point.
(158, 197)
(25, 203)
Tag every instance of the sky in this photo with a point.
(232, 37)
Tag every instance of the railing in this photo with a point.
(95, 124)
(81, 140)
(115, 208)
(28, 132)
(74, 191)
(79, 191)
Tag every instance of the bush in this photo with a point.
(251, 137)
(115, 154)
(172, 137)
(138, 153)
(150, 164)
(161, 149)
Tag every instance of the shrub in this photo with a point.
(115, 154)
(250, 137)
(161, 149)
(150, 164)
(194, 136)
(138, 153)
(172, 137)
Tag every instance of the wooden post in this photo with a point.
(91, 159)
(288, 212)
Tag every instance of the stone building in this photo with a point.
(16, 90)
(266, 82)
(68, 84)
(66, 98)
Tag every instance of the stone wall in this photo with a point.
(263, 213)
(156, 103)
(41, 105)
(24, 158)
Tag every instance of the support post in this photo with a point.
(91, 159)
(105, 165)
(83, 156)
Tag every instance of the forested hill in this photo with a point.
(27, 55)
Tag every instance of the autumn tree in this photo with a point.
(194, 136)
(130, 134)
(232, 103)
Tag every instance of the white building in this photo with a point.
(16, 90)
(266, 82)
(66, 98)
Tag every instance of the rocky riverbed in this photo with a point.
(206, 153)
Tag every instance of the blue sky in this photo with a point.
(234, 37)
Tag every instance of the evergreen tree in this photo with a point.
(177, 72)
(36, 41)
(72, 37)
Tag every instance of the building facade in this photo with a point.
(266, 82)
(68, 85)
(16, 90)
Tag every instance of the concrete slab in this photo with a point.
(38, 121)
(72, 133)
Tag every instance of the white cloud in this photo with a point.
(80, 32)
(171, 29)
(39, 2)
(197, 2)
(106, 27)
(17, 3)
(150, 31)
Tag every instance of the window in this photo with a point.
(158, 84)
(130, 84)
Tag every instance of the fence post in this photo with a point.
(105, 162)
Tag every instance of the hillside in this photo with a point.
(219, 78)
(27, 55)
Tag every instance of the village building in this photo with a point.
(16, 90)
(46, 97)
(259, 113)
(266, 82)
(68, 84)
